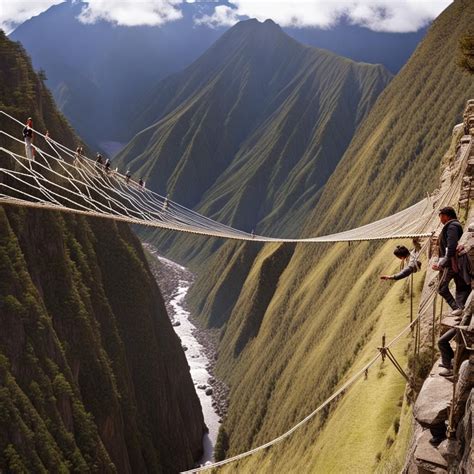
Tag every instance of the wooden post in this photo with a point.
(451, 431)
(433, 331)
(441, 311)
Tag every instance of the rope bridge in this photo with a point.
(60, 179)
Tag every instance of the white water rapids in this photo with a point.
(198, 362)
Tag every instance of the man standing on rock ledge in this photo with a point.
(448, 262)
(451, 269)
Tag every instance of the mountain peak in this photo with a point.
(255, 25)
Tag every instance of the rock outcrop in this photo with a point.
(443, 408)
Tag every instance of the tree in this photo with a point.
(222, 445)
(466, 60)
(42, 75)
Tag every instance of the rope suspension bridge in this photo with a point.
(59, 179)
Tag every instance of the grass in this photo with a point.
(362, 421)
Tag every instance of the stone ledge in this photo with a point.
(431, 407)
(428, 457)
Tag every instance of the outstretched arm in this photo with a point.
(406, 272)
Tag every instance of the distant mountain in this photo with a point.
(361, 44)
(252, 130)
(100, 74)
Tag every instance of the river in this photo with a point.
(174, 281)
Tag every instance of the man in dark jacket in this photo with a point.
(449, 268)
(448, 262)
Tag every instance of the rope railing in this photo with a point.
(63, 181)
(359, 374)
(385, 351)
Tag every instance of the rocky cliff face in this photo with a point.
(88, 351)
(92, 376)
(443, 407)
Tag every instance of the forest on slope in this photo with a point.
(92, 375)
(295, 321)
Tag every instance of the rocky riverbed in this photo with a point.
(198, 343)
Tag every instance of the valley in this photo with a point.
(157, 319)
(175, 281)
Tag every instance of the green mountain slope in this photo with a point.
(92, 375)
(254, 128)
(327, 309)
(393, 160)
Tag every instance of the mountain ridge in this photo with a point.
(118, 65)
(236, 146)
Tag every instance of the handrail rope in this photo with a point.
(72, 154)
(41, 177)
(399, 225)
(285, 435)
(101, 176)
(227, 228)
(344, 387)
(71, 178)
(232, 236)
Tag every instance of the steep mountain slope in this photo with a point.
(326, 309)
(254, 128)
(396, 152)
(92, 375)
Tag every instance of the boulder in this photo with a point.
(450, 450)
(431, 407)
(465, 435)
(427, 457)
(209, 391)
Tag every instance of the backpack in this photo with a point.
(27, 132)
(467, 241)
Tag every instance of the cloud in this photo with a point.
(222, 16)
(132, 12)
(15, 12)
(378, 15)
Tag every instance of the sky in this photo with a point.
(378, 15)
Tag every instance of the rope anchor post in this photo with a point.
(386, 352)
(383, 349)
